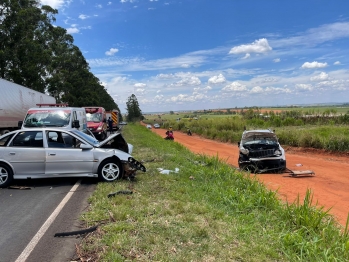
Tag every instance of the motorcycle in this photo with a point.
(189, 132)
(169, 135)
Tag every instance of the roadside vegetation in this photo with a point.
(324, 128)
(207, 211)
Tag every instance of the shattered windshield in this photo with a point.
(96, 117)
(260, 138)
(56, 118)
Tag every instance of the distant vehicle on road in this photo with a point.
(123, 123)
(54, 152)
(156, 126)
(149, 126)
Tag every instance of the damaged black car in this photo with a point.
(261, 152)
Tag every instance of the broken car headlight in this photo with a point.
(277, 152)
(244, 151)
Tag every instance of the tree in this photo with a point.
(134, 113)
(40, 56)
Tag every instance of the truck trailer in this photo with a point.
(15, 100)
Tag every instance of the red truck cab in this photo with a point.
(97, 122)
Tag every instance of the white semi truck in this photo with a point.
(15, 100)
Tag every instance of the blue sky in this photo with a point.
(209, 54)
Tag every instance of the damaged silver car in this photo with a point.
(54, 152)
(261, 152)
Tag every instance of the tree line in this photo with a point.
(43, 57)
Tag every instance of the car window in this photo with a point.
(90, 139)
(5, 140)
(57, 139)
(28, 139)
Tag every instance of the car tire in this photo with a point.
(250, 168)
(103, 136)
(110, 170)
(6, 175)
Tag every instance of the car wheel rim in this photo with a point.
(3, 175)
(110, 172)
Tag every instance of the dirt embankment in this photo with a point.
(329, 185)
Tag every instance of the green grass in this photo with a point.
(208, 211)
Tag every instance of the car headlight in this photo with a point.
(99, 128)
(244, 151)
(277, 152)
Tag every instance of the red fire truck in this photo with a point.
(97, 121)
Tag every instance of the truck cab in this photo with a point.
(97, 122)
(55, 115)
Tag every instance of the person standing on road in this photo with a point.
(110, 124)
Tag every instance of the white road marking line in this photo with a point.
(30, 247)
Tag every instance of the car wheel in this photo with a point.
(250, 168)
(6, 175)
(103, 136)
(110, 170)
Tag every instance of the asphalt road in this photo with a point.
(24, 211)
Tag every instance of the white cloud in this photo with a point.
(201, 90)
(246, 56)
(321, 77)
(314, 64)
(165, 76)
(217, 79)
(276, 60)
(56, 4)
(112, 51)
(307, 87)
(188, 81)
(159, 97)
(313, 36)
(73, 30)
(140, 85)
(235, 87)
(257, 90)
(337, 63)
(99, 6)
(140, 91)
(258, 46)
(83, 17)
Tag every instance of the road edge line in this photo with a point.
(31, 245)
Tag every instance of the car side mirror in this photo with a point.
(20, 123)
(86, 146)
(76, 124)
(238, 144)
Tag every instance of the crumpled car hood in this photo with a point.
(116, 141)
